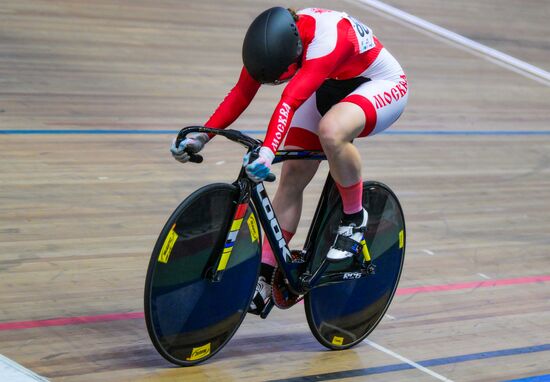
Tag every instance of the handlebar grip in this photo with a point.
(195, 158)
(270, 177)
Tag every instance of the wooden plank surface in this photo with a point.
(517, 28)
(79, 214)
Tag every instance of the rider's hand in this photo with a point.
(193, 143)
(259, 169)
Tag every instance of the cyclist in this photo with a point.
(342, 84)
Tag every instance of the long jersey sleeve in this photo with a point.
(235, 102)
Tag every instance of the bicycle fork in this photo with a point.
(231, 237)
(221, 264)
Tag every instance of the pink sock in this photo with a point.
(352, 197)
(267, 254)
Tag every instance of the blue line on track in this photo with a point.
(260, 132)
(425, 363)
(537, 378)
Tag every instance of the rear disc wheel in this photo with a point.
(342, 314)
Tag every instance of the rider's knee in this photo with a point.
(330, 133)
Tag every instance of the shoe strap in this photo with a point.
(347, 244)
(361, 229)
(349, 230)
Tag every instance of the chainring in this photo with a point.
(282, 295)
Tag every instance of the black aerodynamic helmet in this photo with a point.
(271, 45)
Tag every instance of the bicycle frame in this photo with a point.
(255, 192)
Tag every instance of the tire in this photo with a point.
(340, 315)
(189, 317)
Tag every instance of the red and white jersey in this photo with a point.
(336, 46)
(327, 36)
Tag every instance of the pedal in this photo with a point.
(267, 309)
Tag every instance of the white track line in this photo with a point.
(483, 275)
(406, 360)
(13, 372)
(493, 55)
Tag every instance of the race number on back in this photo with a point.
(363, 33)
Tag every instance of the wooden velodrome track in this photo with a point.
(79, 213)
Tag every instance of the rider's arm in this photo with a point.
(235, 102)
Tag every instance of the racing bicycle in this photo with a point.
(205, 264)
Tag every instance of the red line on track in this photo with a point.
(63, 321)
(79, 320)
(473, 285)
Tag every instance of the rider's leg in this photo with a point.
(295, 176)
(287, 203)
(361, 113)
(343, 123)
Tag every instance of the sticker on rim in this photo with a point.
(200, 352)
(168, 245)
(253, 228)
